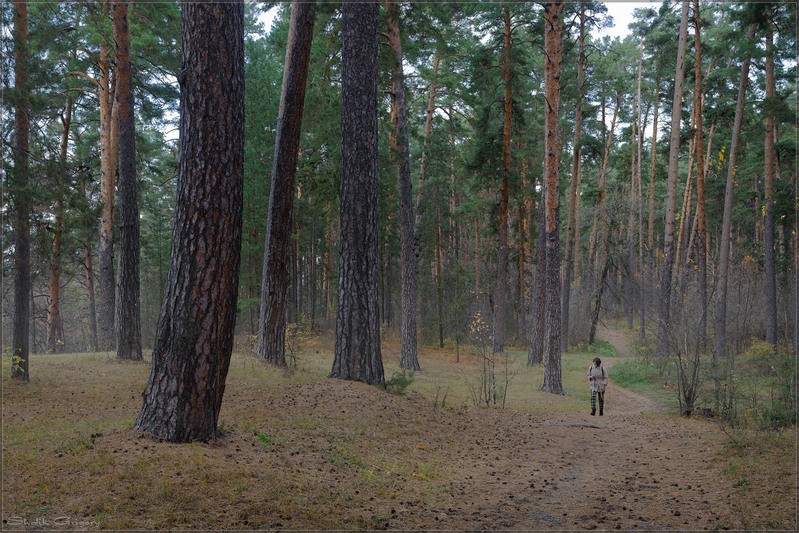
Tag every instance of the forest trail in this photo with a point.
(634, 468)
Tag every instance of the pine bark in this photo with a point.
(726, 225)
(409, 358)
(128, 314)
(22, 207)
(194, 335)
(357, 352)
(664, 319)
(770, 285)
(501, 288)
(575, 180)
(553, 44)
(271, 344)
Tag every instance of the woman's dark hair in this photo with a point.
(597, 361)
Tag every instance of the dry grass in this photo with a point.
(299, 451)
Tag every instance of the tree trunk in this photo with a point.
(501, 289)
(687, 205)
(439, 280)
(271, 344)
(600, 230)
(454, 235)
(428, 128)
(701, 258)
(55, 329)
(575, 180)
(128, 314)
(409, 266)
(629, 279)
(21, 193)
(194, 336)
(553, 44)
(770, 285)
(87, 249)
(357, 352)
(726, 226)
(650, 200)
(664, 326)
(535, 353)
(108, 170)
(600, 289)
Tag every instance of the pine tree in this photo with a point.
(194, 336)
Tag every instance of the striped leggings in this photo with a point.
(594, 395)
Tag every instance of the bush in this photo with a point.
(399, 382)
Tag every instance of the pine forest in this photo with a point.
(460, 202)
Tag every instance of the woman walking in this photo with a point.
(597, 380)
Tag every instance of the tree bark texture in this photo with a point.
(501, 288)
(22, 207)
(770, 285)
(575, 180)
(553, 44)
(664, 319)
(726, 225)
(108, 173)
(194, 335)
(271, 344)
(128, 313)
(357, 352)
(409, 358)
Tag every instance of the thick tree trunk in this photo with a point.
(553, 44)
(128, 314)
(664, 319)
(701, 258)
(770, 284)
(271, 344)
(501, 288)
(194, 336)
(108, 171)
(408, 252)
(575, 180)
(357, 352)
(22, 207)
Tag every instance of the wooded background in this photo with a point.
(651, 199)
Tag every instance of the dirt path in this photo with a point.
(634, 468)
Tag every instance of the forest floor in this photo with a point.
(301, 451)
